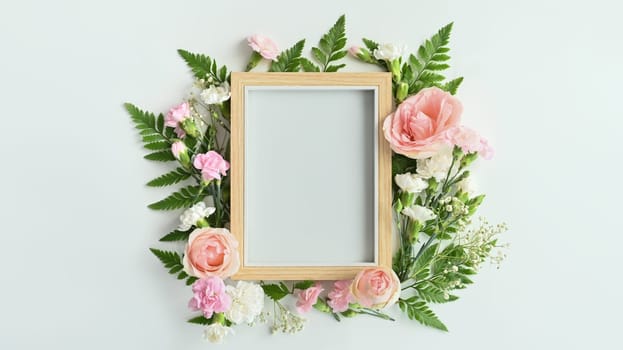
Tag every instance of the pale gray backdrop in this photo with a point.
(542, 82)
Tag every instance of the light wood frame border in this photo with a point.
(383, 83)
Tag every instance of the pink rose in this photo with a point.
(340, 296)
(417, 127)
(211, 252)
(212, 165)
(308, 297)
(264, 46)
(177, 114)
(469, 141)
(377, 287)
(210, 296)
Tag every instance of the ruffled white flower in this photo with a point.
(216, 94)
(436, 166)
(389, 52)
(193, 214)
(419, 213)
(216, 332)
(247, 302)
(411, 183)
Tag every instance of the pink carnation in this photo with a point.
(176, 115)
(469, 141)
(264, 46)
(308, 297)
(210, 296)
(212, 165)
(340, 296)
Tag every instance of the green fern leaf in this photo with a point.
(370, 44)
(199, 320)
(168, 259)
(203, 66)
(289, 60)
(160, 156)
(175, 236)
(430, 58)
(331, 46)
(308, 66)
(169, 178)
(184, 198)
(433, 294)
(418, 310)
(158, 145)
(421, 266)
(452, 85)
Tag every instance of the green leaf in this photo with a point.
(173, 262)
(275, 291)
(370, 44)
(331, 46)
(170, 178)
(160, 156)
(418, 310)
(432, 294)
(431, 57)
(190, 280)
(153, 132)
(452, 85)
(184, 198)
(303, 285)
(199, 320)
(175, 236)
(421, 267)
(308, 66)
(204, 67)
(289, 60)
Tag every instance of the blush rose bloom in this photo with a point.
(376, 288)
(308, 297)
(212, 165)
(264, 46)
(211, 252)
(417, 128)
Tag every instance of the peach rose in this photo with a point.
(377, 287)
(416, 129)
(211, 252)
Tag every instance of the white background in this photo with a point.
(542, 82)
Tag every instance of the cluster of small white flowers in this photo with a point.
(193, 214)
(216, 332)
(287, 322)
(247, 302)
(480, 241)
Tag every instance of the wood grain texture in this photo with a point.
(239, 80)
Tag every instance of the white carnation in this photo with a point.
(436, 166)
(216, 332)
(411, 183)
(389, 52)
(215, 94)
(247, 302)
(193, 214)
(419, 213)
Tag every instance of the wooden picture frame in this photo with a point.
(279, 148)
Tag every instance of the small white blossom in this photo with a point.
(389, 52)
(436, 166)
(216, 94)
(247, 302)
(419, 213)
(449, 207)
(216, 332)
(193, 214)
